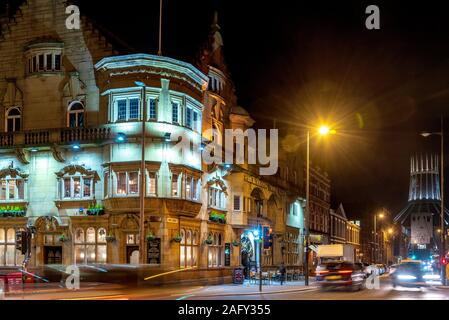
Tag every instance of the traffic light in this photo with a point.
(267, 237)
(443, 261)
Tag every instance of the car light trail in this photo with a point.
(169, 272)
(34, 276)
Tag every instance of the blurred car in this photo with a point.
(340, 274)
(393, 268)
(363, 266)
(408, 274)
(372, 269)
(381, 268)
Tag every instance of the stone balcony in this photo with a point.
(153, 206)
(47, 137)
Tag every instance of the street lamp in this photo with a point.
(376, 251)
(323, 130)
(257, 238)
(442, 227)
(142, 175)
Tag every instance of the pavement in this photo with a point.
(250, 289)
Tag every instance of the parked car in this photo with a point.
(340, 274)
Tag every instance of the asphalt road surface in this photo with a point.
(386, 292)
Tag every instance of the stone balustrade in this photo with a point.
(54, 136)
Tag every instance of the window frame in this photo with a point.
(14, 119)
(76, 113)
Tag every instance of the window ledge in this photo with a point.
(13, 202)
(45, 74)
(74, 203)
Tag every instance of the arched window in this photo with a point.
(13, 120)
(75, 117)
(189, 248)
(215, 253)
(92, 248)
(79, 235)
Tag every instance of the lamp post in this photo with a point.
(376, 251)
(442, 226)
(142, 188)
(257, 238)
(323, 131)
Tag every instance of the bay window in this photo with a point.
(127, 109)
(175, 112)
(189, 117)
(152, 109)
(175, 185)
(127, 183)
(152, 184)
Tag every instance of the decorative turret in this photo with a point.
(424, 178)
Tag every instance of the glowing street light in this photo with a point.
(323, 130)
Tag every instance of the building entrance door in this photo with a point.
(132, 255)
(53, 255)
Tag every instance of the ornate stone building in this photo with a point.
(70, 154)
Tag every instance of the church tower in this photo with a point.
(420, 219)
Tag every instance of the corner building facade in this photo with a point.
(70, 154)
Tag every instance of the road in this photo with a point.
(239, 292)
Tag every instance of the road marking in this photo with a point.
(185, 297)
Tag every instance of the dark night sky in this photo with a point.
(302, 62)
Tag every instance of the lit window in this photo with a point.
(152, 190)
(76, 187)
(13, 120)
(91, 248)
(127, 183)
(174, 186)
(189, 117)
(216, 198)
(215, 254)
(133, 109)
(12, 189)
(175, 112)
(133, 182)
(153, 114)
(196, 121)
(189, 187)
(76, 115)
(236, 203)
(9, 256)
(127, 109)
(121, 110)
(189, 248)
